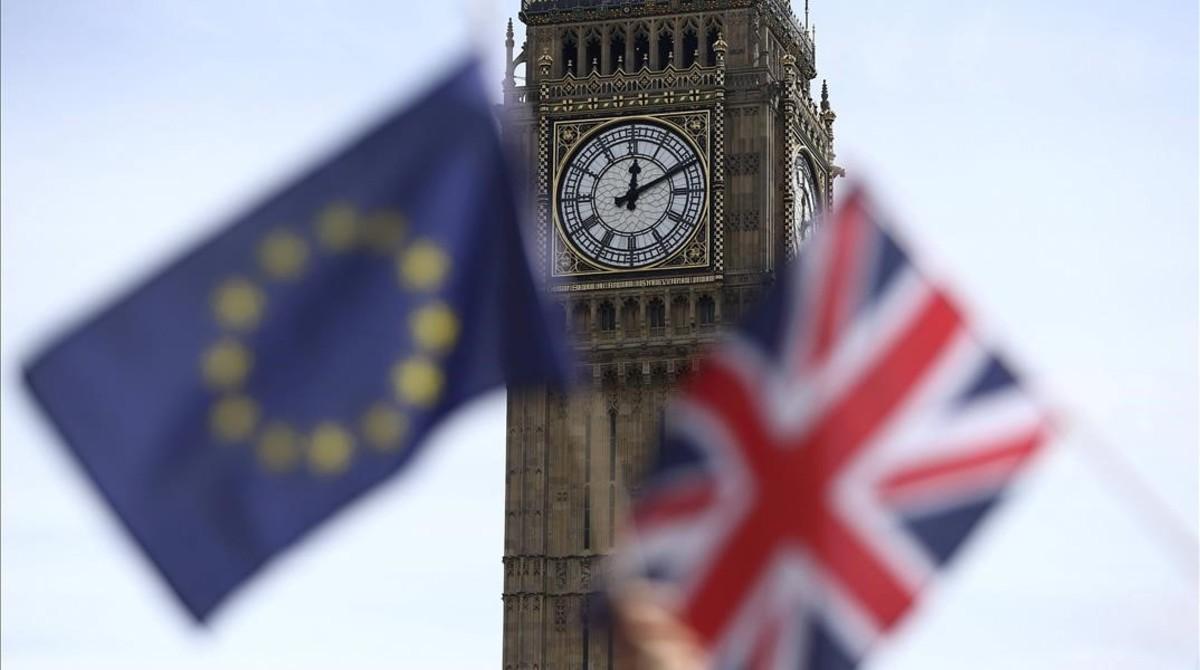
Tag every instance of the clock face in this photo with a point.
(804, 185)
(631, 194)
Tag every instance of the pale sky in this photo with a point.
(1042, 157)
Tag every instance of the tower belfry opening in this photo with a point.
(569, 51)
(617, 49)
(641, 47)
(691, 46)
(591, 52)
(666, 44)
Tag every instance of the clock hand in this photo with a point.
(633, 193)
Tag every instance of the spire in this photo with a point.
(827, 114)
(827, 119)
(805, 14)
(509, 69)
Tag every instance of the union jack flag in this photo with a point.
(827, 459)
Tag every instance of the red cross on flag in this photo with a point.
(827, 459)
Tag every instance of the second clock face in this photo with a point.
(632, 194)
(804, 185)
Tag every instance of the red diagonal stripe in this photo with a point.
(843, 261)
(845, 432)
(726, 395)
(858, 569)
(676, 502)
(1001, 458)
(871, 400)
(741, 561)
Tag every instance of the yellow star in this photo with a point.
(384, 427)
(278, 448)
(233, 418)
(238, 304)
(226, 364)
(434, 327)
(383, 231)
(417, 381)
(423, 266)
(337, 227)
(330, 449)
(282, 255)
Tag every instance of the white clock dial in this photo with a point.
(632, 194)
(806, 204)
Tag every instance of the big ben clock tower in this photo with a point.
(678, 157)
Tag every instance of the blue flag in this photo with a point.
(269, 377)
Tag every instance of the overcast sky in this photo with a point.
(1042, 157)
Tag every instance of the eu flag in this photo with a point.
(270, 376)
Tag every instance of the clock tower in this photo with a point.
(677, 157)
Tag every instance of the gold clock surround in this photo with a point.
(695, 127)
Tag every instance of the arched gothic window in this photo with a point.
(591, 52)
(706, 311)
(629, 317)
(656, 315)
(666, 46)
(691, 46)
(581, 318)
(731, 308)
(608, 317)
(712, 30)
(616, 54)
(641, 48)
(570, 52)
(679, 314)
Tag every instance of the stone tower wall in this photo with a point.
(573, 458)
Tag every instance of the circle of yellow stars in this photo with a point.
(239, 304)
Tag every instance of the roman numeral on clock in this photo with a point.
(586, 223)
(658, 239)
(608, 235)
(674, 216)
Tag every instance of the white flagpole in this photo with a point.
(1107, 461)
